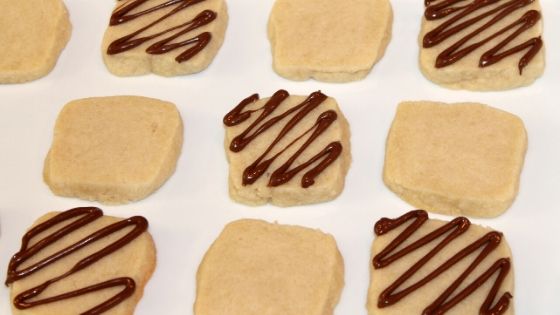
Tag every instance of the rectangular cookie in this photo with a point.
(455, 159)
(328, 40)
(81, 262)
(165, 37)
(33, 34)
(287, 150)
(425, 266)
(113, 149)
(255, 268)
(482, 45)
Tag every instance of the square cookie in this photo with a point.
(482, 45)
(424, 266)
(256, 268)
(287, 150)
(463, 158)
(81, 262)
(33, 34)
(114, 149)
(164, 37)
(328, 40)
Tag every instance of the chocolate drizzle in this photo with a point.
(85, 216)
(284, 173)
(464, 16)
(123, 14)
(486, 244)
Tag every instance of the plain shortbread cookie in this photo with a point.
(136, 260)
(257, 268)
(463, 158)
(33, 34)
(189, 35)
(113, 149)
(327, 184)
(466, 242)
(328, 40)
(466, 73)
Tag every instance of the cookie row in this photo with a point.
(419, 266)
(478, 45)
(292, 150)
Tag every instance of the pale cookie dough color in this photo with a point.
(482, 45)
(113, 149)
(287, 150)
(32, 36)
(328, 40)
(165, 37)
(463, 158)
(81, 262)
(257, 268)
(422, 266)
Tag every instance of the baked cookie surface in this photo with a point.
(113, 149)
(425, 266)
(256, 268)
(482, 45)
(287, 150)
(328, 40)
(34, 32)
(81, 262)
(165, 37)
(463, 158)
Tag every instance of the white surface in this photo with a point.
(189, 211)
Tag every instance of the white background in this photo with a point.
(190, 210)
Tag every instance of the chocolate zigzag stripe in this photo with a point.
(284, 173)
(464, 16)
(86, 215)
(449, 231)
(123, 14)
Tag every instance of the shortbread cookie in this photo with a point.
(287, 150)
(81, 262)
(257, 268)
(165, 37)
(455, 159)
(328, 40)
(33, 33)
(423, 266)
(482, 45)
(113, 149)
